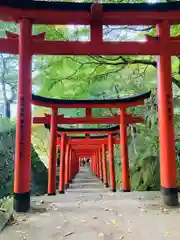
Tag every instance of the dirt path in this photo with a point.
(89, 212)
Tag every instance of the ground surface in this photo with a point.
(88, 211)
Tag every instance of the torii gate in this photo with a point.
(27, 13)
(123, 119)
(97, 165)
(99, 142)
(79, 144)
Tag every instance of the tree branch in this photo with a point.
(125, 61)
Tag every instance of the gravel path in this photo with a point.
(88, 211)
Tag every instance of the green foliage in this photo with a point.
(7, 150)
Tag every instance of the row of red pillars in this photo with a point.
(69, 164)
(99, 166)
(98, 159)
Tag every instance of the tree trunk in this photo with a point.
(7, 109)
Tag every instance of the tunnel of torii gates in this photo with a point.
(73, 148)
(25, 44)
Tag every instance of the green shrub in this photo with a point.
(7, 150)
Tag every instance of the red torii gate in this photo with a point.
(87, 152)
(27, 13)
(124, 119)
(98, 165)
(97, 143)
(83, 149)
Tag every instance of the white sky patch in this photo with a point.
(152, 1)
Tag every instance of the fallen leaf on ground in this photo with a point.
(166, 234)
(56, 209)
(114, 222)
(121, 238)
(94, 217)
(59, 227)
(68, 234)
(108, 222)
(101, 235)
(129, 230)
(24, 219)
(143, 210)
(106, 209)
(83, 221)
(165, 210)
(139, 197)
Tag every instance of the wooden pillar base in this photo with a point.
(51, 194)
(113, 190)
(61, 192)
(21, 202)
(170, 196)
(106, 185)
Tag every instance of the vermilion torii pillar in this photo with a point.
(74, 166)
(111, 163)
(100, 164)
(70, 165)
(97, 164)
(93, 164)
(166, 121)
(62, 164)
(22, 169)
(67, 165)
(124, 152)
(104, 163)
(52, 154)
